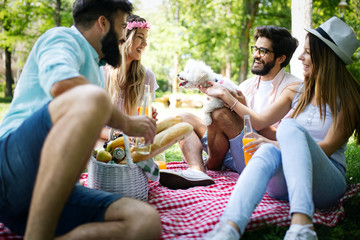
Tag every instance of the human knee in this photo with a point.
(267, 157)
(196, 122)
(188, 117)
(94, 99)
(147, 222)
(288, 128)
(140, 219)
(221, 116)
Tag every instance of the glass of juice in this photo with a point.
(144, 109)
(247, 155)
(140, 146)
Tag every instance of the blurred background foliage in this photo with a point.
(218, 32)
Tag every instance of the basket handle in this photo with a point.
(111, 134)
(129, 160)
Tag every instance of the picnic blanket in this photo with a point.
(189, 214)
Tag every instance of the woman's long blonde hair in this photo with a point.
(333, 83)
(127, 85)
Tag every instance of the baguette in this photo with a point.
(167, 122)
(164, 140)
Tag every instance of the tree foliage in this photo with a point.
(218, 32)
(212, 31)
(22, 22)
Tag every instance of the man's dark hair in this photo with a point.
(86, 12)
(282, 41)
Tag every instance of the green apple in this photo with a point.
(103, 156)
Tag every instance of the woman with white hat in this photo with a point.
(306, 166)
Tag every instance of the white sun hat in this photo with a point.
(338, 36)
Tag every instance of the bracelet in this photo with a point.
(232, 107)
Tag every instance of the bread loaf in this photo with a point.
(167, 122)
(164, 139)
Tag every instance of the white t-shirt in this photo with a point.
(262, 96)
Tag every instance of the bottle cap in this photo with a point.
(119, 153)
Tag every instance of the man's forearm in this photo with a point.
(118, 119)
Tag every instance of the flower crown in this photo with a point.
(135, 24)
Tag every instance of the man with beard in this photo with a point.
(54, 120)
(222, 140)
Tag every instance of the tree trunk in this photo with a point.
(176, 65)
(228, 66)
(176, 70)
(8, 74)
(301, 15)
(57, 13)
(250, 9)
(227, 56)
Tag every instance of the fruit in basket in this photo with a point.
(118, 142)
(103, 156)
(94, 152)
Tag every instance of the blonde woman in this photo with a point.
(126, 83)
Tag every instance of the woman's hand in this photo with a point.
(251, 147)
(154, 113)
(214, 90)
(239, 96)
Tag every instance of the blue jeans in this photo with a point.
(300, 172)
(19, 161)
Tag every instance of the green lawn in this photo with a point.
(3, 108)
(347, 230)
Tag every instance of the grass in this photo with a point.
(347, 229)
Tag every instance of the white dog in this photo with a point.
(198, 73)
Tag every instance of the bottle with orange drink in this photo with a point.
(145, 109)
(247, 129)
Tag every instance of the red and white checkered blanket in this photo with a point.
(188, 214)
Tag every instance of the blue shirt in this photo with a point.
(59, 54)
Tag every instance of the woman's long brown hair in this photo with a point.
(334, 84)
(128, 85)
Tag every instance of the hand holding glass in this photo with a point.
(247, 129)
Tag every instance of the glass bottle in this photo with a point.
(144, 109)
(247, 129)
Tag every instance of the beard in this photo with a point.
(265, 69)
(110, 48)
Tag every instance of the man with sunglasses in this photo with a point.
(54, 120)
(222, 140)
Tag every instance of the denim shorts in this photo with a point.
(19, 161)
(234, 158)
(228, 162)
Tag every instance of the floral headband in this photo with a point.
(135, 24)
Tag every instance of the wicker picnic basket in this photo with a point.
(128, 179)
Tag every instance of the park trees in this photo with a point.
(218, 32)
(21, 23)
